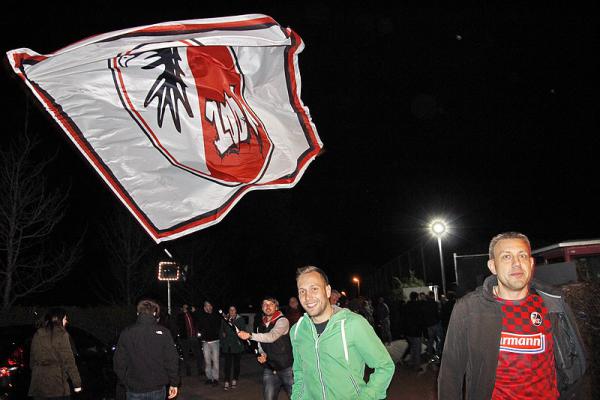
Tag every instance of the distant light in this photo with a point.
(458, 37)
(355, 279)
(438, 227)
(343, 293)
(168, 271)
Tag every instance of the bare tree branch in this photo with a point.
(29, 215)
(128, 248)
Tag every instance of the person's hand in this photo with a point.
(243, 335)
(262, 358)
(77, 389)
(172, 392)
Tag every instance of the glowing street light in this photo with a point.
(357, 281)
(438, 229)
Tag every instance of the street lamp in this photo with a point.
(438, 229)
(357, 281)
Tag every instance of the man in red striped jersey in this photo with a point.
(512, 338)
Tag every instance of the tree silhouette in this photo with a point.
(132, 261)
(30, 212)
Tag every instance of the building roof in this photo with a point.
(572, 243)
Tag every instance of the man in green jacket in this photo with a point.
(331, 346)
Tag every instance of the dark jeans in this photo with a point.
(192, 344)
(385, 331)
(415, 350)
(273, 381)
(160, 394)
(435, 339)
(232, 361)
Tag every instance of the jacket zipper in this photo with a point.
(355, 385)
(317, 337)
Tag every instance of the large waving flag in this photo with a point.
(181, 119)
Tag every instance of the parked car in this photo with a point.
(93, 357)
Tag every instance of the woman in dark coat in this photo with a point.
(231, 346)
(52, 361)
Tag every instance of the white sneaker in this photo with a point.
(226, 386)
(233, 384)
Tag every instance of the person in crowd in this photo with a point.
(146, 360)
(513, 337)
(446, 311)
(335, 298)
(275, 349)
(188, 339)
(413, 328)
(52, 360)
(209, 325)
(231, 346)
(360, 306)
(294, 312)
(382, 316)
(332, 346)
(433, 327)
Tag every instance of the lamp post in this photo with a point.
(438, 229)
(357, 281)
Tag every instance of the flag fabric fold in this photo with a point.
(181, 119)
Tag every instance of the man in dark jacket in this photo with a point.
(512, 338)
(146, 359)
(413, 329)
(188, 339)
(209, 325)
(275, 349)
(382, 316)
(433, 326)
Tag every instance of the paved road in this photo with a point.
(406, 384)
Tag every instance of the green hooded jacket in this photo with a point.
(332, 365)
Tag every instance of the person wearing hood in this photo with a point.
(512, 338)
(333, 345)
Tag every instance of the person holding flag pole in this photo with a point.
(275, 350)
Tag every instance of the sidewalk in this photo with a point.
(406, 384)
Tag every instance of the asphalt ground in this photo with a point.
(406, 384)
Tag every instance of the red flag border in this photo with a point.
(209, 218)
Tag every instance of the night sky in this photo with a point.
(485, 115)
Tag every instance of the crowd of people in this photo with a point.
(512, 338)
(319, 317)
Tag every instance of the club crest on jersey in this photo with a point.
(522, 344)
(189, 102)
(536, 318)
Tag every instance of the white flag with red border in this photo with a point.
(181, 119)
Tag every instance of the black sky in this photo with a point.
(484, 114)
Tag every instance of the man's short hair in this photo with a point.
(272, 300)
(506, 235)
(148, 306)
(312, 268)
